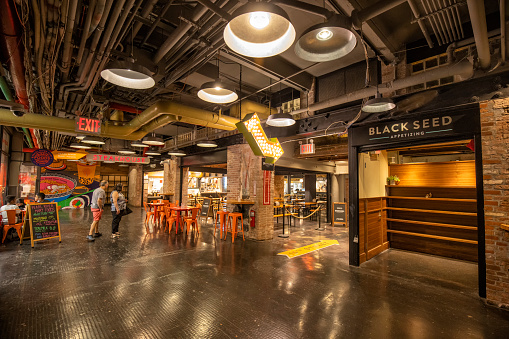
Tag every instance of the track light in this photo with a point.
(217, 92)
(93, 140)
(378, 104)
(128, 74)
(259, 29)
(280, 120)
(326, 41)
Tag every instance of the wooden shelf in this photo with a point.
(473, 242)
(473, 228)
(430, 211)
(432, 199)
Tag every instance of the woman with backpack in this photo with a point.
(118, 209)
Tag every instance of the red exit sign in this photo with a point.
(307, 149)
(87, 125)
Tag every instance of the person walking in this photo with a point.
(118, 207)
(97, 207)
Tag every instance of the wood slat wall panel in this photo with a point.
(438, 218)
(452, 173)
(436, 205)
(440, 231)
(438, 192)
(436, 247)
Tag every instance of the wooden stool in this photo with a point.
(222, 216)
(232, 225)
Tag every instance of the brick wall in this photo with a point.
(279, 186)
(135, 185)
(495, 148)
(245, 176)
(170, 178)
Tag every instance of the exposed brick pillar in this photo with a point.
(495, 153)
(170, 178)
(279, 186)
(135, 185)
(245, 176)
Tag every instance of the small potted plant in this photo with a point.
(396, 180)
(391, 180)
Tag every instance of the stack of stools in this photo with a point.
(232, 226)
(222, 217)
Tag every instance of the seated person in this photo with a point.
(41, 198)
(10, 205)
(20, 202)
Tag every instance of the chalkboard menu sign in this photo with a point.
(43, 222)
(205, 208)
(339, 213)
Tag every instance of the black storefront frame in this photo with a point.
(353, 176)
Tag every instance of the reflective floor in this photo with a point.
(173, 286)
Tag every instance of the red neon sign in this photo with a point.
(87, 125)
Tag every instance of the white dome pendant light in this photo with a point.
(259, 30)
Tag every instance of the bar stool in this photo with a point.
(232, 225)
(222, 217)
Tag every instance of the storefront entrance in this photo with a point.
(416, 185)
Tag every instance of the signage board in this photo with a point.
(205, 208)
(43, 222)
(307, 149)
(118, 158)
(339, 213)
(88, 125)
(251, 128)
(267, 176)
(42, 157)
(267, 167)
(424, 126)
(68, 155)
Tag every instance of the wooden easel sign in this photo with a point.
(339, 214)
(43, 222)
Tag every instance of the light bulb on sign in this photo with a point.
(259, 20)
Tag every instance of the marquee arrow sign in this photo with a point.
(251, 128)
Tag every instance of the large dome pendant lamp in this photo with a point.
(216, 91)
(176, 151)
(259, 30)
(378, 104)
(327, 41)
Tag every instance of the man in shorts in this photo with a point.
(97, 207)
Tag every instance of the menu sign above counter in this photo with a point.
(424, 126)
(118, 158)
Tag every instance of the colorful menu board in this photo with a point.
(43, 222)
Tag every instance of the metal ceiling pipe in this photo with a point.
(502, 31)
(96, 18)
(358, 17)
(463, 70)
(156, 22)
(433, 23)
(251, 107)
(86, 28)
(422, 26)
(69, 28)
(478, 21)
(144, 14)
(179, 32)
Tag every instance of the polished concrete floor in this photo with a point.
(173, 286)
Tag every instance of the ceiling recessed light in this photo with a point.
(259, 29)
(128, 74)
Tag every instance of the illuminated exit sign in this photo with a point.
(307, 149)
(87, 125)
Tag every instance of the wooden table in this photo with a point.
(179, 210)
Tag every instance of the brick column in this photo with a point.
(495, 153)
(279, 186)
(245, 176)
(170, 178)
(135, 185)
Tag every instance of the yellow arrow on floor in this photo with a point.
(309, 248)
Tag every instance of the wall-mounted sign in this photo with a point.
(307, 148)
(267, 167)
(252, 130)
(424, 126)
(118, 158)
(267, 178)
(68, 155)
(88, 125)
(42, 157)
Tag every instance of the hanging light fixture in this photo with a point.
(123, 165)
(139, 143)
(80, 145)
(128, 74)
(280, 120)
(126, 151)
(80, 136)
(259, 30)
(217, 92)
(177, 152)
(378, 104)
(207, 143)
(108, 162)
(327, 41)
(152, 151)
(153, 141)
(93, 140)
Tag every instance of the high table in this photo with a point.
(179, 210)
(156, 205)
